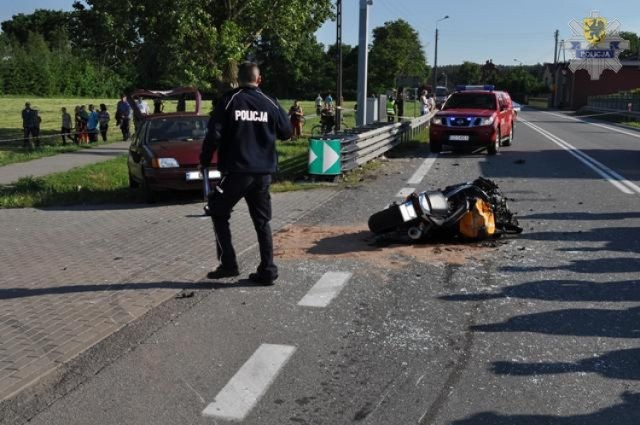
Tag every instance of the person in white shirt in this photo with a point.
(142, 106)
(424, 103)
(431, 103)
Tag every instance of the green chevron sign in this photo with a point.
(324, 157)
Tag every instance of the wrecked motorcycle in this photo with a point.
(472, 210)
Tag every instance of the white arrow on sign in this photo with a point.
(329, 157)
(312, 156)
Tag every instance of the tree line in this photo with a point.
(103, 47)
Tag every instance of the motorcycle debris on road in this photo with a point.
(470, 211)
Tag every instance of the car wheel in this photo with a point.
(148, 194)
(133, 184)
(493, 148)
(509, 140)
(435, 147)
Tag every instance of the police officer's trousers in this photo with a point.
(254, 188)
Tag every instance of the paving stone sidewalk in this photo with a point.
(62, 162)
(72, 277)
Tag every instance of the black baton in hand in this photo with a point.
(206, 190)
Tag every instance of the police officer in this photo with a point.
(243, 130)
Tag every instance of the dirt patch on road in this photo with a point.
(356, 242)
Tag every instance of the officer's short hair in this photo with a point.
(248, 72)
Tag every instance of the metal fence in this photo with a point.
(615, 102)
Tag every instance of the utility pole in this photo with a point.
(556, 57)
(556, 53)
(339, 47)
(363, 54)
(435, 64)
(435, 57)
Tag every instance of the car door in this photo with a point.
(502, 114)
(513, 115)
(136, 153)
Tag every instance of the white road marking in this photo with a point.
(249, 384)
(617, 130)
(405, 191)
(624, 185)
(325, 290)
(423, 169)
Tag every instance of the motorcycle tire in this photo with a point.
(386, 220)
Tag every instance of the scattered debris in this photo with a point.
(357, 243)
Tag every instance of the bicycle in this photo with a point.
(326, 127)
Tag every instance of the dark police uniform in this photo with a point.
(243, 129)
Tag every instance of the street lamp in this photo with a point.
(518, 60)
(435, 56)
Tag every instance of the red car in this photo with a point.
(165, 153)
(474, 117)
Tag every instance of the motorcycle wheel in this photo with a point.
(386, 220)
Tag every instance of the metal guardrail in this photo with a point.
(610, 111)
(360, 145)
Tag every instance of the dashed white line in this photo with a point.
(249, 384)
(624, 185)
(423, 169)
(325, 290)
(405, 191)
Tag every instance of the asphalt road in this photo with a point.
(541, 329)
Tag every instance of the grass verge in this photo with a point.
(93, 184)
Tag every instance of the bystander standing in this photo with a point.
(103, 119)
(30, 127)
(296, 115)
(93, 120)
(123, 117)
(424, 103)
(158, 106)
(400, 103)
(65, 129)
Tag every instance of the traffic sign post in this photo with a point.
(324, 157)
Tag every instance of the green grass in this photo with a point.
(92, 184)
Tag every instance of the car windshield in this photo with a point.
(471, 101)
(177, 128)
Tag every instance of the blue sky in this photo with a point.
(476, 31)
